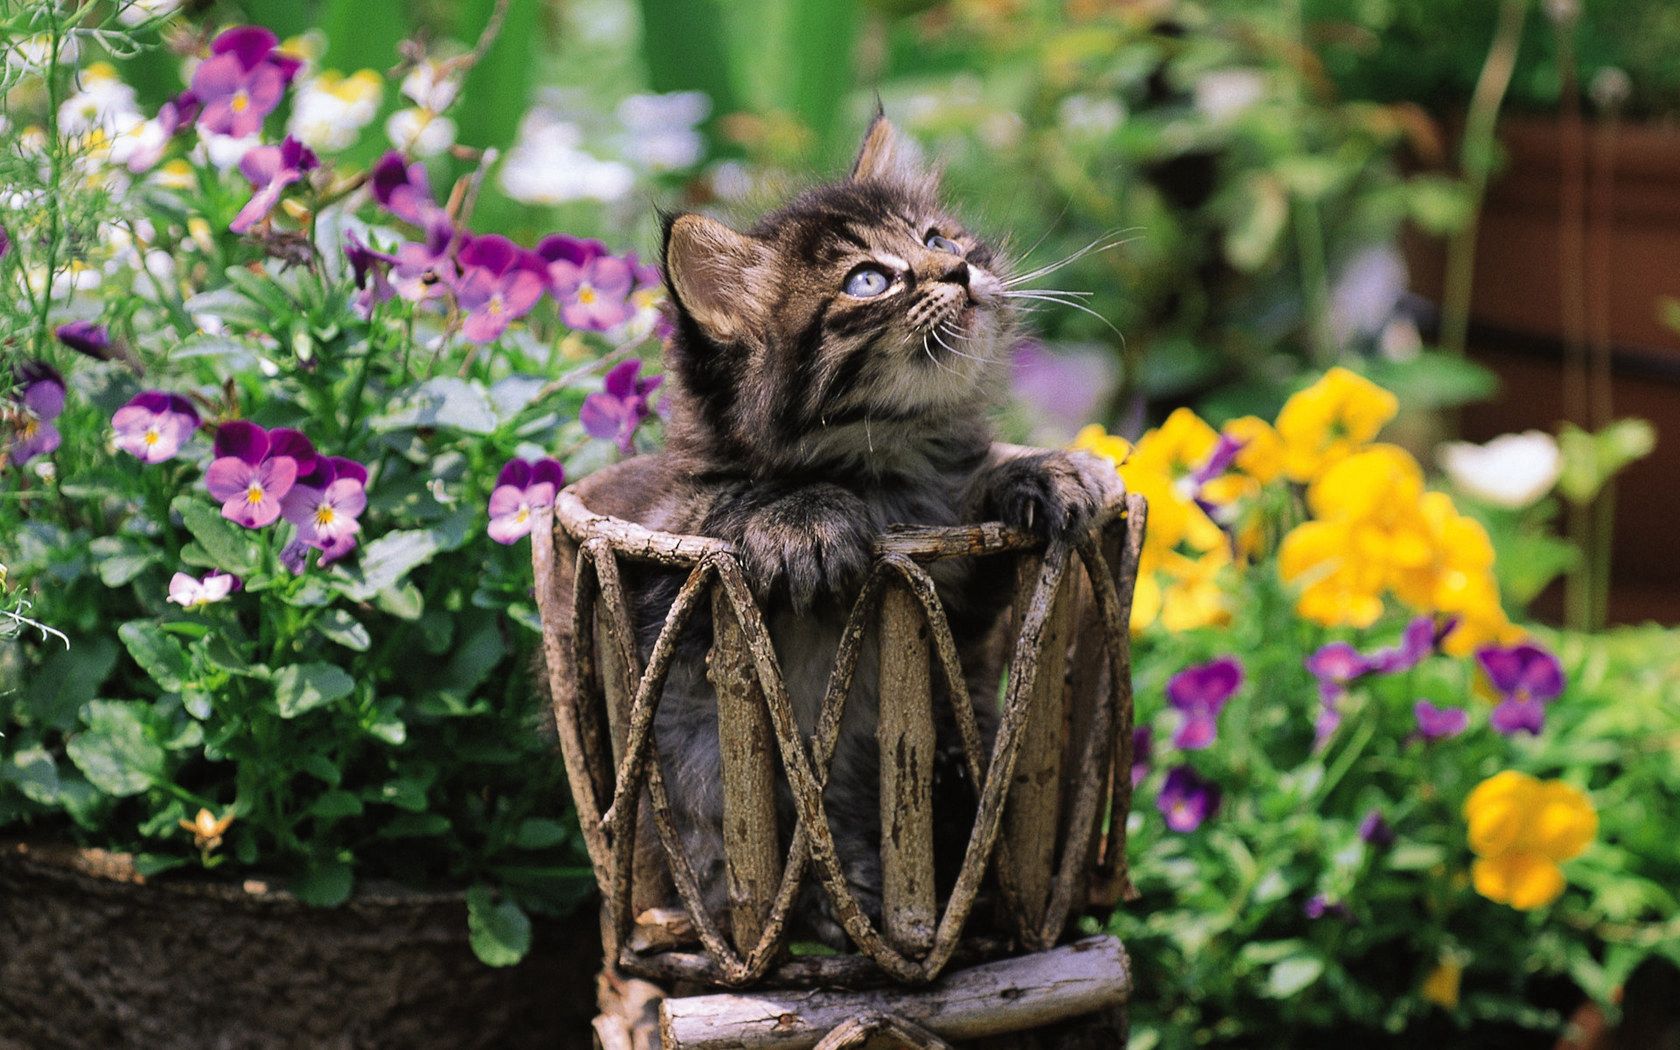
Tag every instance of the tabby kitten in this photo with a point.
(830, 376)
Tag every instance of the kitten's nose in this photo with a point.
(957, 274)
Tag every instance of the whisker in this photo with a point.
(937, 338)
(1050, 268)
(1081, 307)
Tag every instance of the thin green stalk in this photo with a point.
(55, 155)
(1476, 156)
(1603, 542)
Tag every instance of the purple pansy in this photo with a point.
(154, 425)
(1375, 830)
(190, 593)
(372, 272)
(1526, 678)
(1143, 740)
(558, 247)
(1438, 723)
(615, 411)
(403, 189)
(1200, 693)
(498, 284)
(1319, 905)
(85, 337)
(39, 392)
(242, 81)
(325, 504)
(522, 489)
(594, 296)
(254, 469)
(1186, 800)
(423, 269)
(1218, 462)
(1417, 641)
(5, 242)
(270, 169)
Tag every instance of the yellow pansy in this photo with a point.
(1194, 597)
(1178, 446)
(1441, 987)
(1095, 439)
(207, 828)
(1521, 829)
(1331, 419)
(1261, 455)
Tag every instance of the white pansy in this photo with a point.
(225, 151)
(136, 12)
(420, 132)
(331, 109)
(429, 86)
(140, 145)
(1224, 94)
(1511, 471)
(660, 130)
(102, 102)
(547, 165)
(1090, 116)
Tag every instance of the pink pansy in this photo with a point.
(242, 81)
(402, 189)
(153, 425)
(270, 169)
(325, 505)
(372, 272)
(189, 593)
(39, 392)
(522, 489)
(254, 469)
(498, 284)
(424, 270)
(593, 296)
(559, 247)
(620, 406)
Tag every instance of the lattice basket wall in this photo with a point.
(1054, 788)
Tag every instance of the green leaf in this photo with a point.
(414, 826)
(119, 560)
(326, 884)
(1591, 460)
(1255, 231)
(446, 401)
(339, 626)
(69, 678)
(147, 865)
(1434, 379)
(299, 688)
(160, 656)
(500, 933)
(34, 773)
(228, 546)
(114, 752)
(540, 833)
(1292, 976)
(335, 804)
(387, 560)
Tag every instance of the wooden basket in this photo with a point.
(1053, 792)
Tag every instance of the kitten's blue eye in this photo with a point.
(942, 244)
(866, 282)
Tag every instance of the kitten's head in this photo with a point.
(859, 305)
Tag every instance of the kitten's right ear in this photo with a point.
(889, 155)
(718, 276)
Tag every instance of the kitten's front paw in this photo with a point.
(1055, 494)
(810, 545)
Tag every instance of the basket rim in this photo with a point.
(918, 542)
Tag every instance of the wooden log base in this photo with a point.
(1001, 998)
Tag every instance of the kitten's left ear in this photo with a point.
(720, 277)
(888, 155)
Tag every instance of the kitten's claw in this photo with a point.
(1054, 494)
(809, 545)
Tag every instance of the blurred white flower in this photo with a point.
(1090, 116)
(732, 181)
(134, 12)
(546, 165)
(331, 109)
(421, 132)
(660, 130)
(31, 53)
(178, 174)
(1366, 293)
(140, 145)
(1512, 470)
(1223, 94)
(224, 151)
(429, 87)
(103, 102)
(1001, 130)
